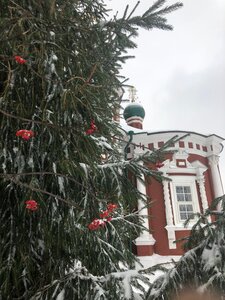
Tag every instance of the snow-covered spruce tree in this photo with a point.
(60, 166)
(202, 267)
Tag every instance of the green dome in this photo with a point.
(134, 110)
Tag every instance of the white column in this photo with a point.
(145, 238)
(217, 183)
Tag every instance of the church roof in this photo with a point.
(128, 128)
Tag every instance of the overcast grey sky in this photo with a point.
(180, 75)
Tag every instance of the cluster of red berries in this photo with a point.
(25, 134)
(20, 60)
(92, 128)
(105, 217)
(31, 205)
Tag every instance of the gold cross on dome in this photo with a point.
(132, 94)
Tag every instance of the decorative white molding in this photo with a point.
(170, 167)
(201, 184)
(199, 167)
(200, 170)
(169, 214)
(180, 154)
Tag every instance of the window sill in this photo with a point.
(179, 227)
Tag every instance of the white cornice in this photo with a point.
(195, 138)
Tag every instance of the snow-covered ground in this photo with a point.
(149, 261)
(155, 259)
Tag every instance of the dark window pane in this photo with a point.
(182, 208)
(189, 208)
(187, 189)
(179, 189)
(190, 215)
(183, 216)
(180, 197)
(188, 197)
(186, 211)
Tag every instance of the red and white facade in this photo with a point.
(193, 182)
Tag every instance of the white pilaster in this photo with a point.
(169, 214)
(145, 238)
(216, 179)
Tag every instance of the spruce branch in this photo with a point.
(33, 188)
(154, 7)
(168, 9)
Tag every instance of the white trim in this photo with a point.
(134, 119)
(201, 185)
(145, 241)
(171, 237)
(182, 181)
(180, 228)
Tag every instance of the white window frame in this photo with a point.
(183, 181)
